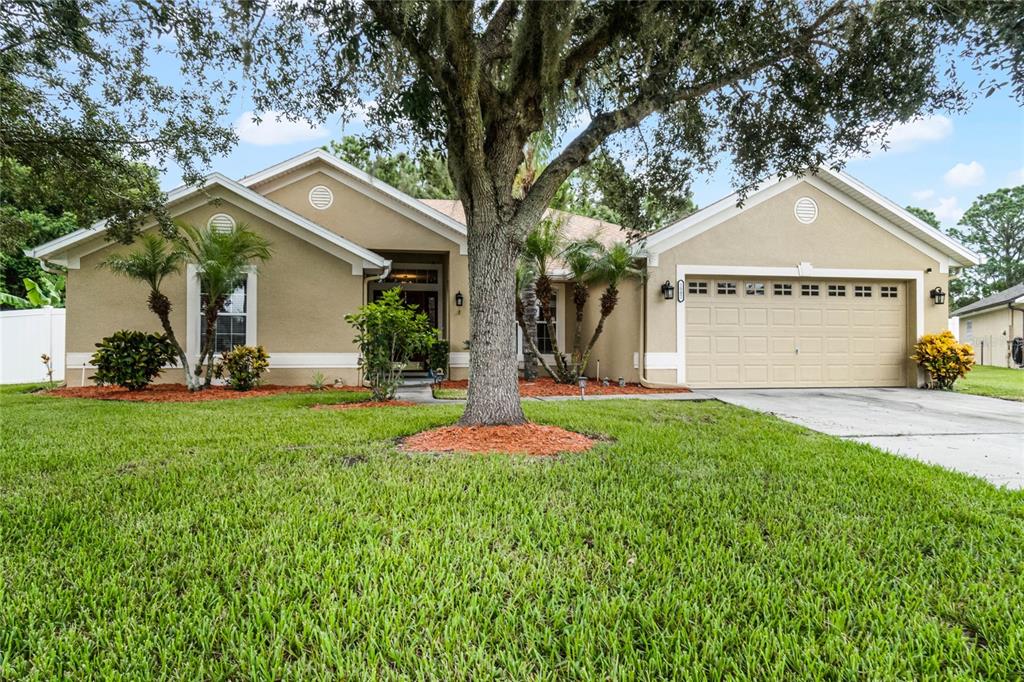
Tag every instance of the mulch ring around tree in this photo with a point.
(523, 439)
(547, 387)
(178, 393)
(365, 403)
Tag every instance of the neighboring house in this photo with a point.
(814, 281)
(991, 325)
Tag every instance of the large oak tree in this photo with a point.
(668, 88)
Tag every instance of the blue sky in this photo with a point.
(940, 162)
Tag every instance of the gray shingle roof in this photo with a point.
(1003, 297)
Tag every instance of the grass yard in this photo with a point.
(995, 382)
(260, 539)
(449, 393)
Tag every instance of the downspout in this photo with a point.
(644, 381)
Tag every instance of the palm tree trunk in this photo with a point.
(161, 307)
(580, 294)
(529, 329)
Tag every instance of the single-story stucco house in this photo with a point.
(813, 281)
(991, 325)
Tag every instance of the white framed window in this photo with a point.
(887, 291)
(221, 222)
(862, 291)
(544, 344)
(835, 290)
(321, 197)
(696, 287)
(810, 290)
(236, 323)
(782, 289)
(754, 288)
(726, 288)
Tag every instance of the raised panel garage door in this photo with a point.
(796, 332)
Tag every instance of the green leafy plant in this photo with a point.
(243, 366)
(943, 358)
(131, 358)
(48, 291)
(319, 382)
(388, 333)
(437, 355)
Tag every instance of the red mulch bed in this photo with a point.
(178, 393)
(544, 387)
(366, 403)
(525, 439)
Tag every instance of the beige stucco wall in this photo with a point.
(989, 333)
(375, 226)
(302, 296)
(769, 235)
(620, 339)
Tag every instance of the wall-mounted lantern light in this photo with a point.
(668, 291)
(938, 296)
(459, 299)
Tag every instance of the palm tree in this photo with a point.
(614, 265)
(542, 246)
(581, 258)
(222, 258)
(151, 263)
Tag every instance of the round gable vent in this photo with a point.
(806, 210)
(221, 222)
(321, 197)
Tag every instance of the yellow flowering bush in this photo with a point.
(944, 358)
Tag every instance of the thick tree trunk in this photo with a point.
(493, 396)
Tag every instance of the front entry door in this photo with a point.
(426, 302)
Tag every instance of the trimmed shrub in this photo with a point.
(437, 356)
(132, 358)
(388, 333)
(944, 358)
(243, 366)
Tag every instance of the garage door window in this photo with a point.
(888, 291)
(837, 290)
(727, 288)
(810, 290)
(862, 291)
(697, 287)
(782, 289)
(755, 288)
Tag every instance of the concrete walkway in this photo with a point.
(973, 434)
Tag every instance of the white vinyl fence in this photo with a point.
(24, 336)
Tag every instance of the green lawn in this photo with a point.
(260, 539)
(996, 382)
(450, 393)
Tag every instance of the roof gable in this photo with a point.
(318, 160)
(841, 187)
(67, 250)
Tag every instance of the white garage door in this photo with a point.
(795, 332)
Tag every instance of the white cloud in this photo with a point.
(912, 134)
(923, 194)
(965, 175)
(275, 129)
(948, 211)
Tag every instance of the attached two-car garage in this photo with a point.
(756, 332)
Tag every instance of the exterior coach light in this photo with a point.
(668, 291)
(459, 299)
(938, 296)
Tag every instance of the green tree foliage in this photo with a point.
(666, 88)
(80, 108)
(926, 215)
(389, 333)
(994, 227)
(47, 291)
(424, 176)
(962, 289)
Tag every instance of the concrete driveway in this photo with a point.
(979, 436)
